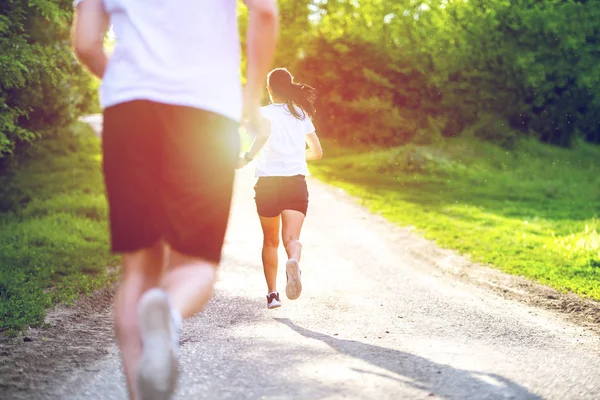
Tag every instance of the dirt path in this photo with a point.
(384, 315)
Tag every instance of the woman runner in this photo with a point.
(281, 191)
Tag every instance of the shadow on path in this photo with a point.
(439, 379)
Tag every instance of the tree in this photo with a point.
(389, 71)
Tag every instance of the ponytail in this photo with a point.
(295, 95)
(303, 97)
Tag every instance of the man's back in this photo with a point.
(176, 52)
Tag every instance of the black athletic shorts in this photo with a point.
(169, 175)
(277, 193)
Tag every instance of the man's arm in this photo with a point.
(263, 26)
(87, 35)
(261, 138)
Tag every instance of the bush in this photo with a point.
(364, 95)
(388, 72)
(41, 84)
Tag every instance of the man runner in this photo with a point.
(172, 101)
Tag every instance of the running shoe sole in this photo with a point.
(293, 288)
(158, 369)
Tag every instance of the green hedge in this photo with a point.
(41, 84)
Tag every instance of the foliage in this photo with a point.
(41, 84)
(53, 226)
(388, 72)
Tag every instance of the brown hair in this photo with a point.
(295, 95)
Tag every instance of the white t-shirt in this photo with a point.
(184, 52)
(284, 153)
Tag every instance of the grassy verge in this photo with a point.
(532, 211)
(53, 230)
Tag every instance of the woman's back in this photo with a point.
(284, 152)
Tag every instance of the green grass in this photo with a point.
(53, 230)
(532, 211)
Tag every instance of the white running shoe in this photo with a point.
(293, 288)
(158, 369)
(273, 300)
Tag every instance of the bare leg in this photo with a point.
(290, 233)
(270, 227)
(186, 288)
(142, 270)
(189, 282)
(292, 225)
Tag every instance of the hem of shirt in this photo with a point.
(184, 102)
(259, 174)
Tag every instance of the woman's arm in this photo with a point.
(87, 35)
(259, 142)
(314, 151)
